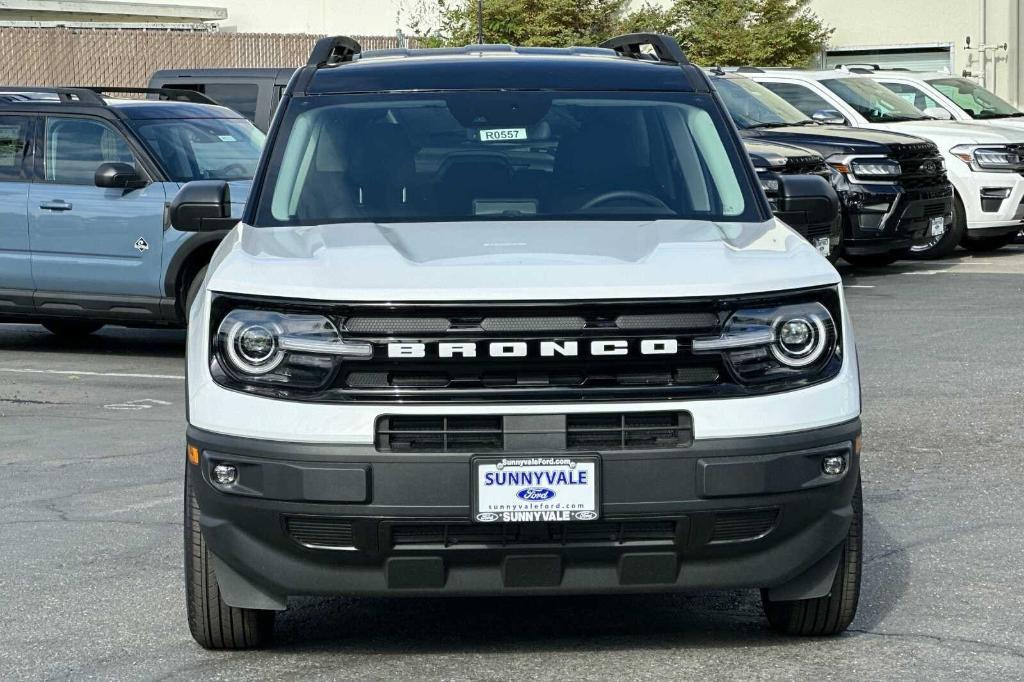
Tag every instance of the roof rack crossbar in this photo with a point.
(333, 50)
(64, 95)
(665, 47)
(174, 94)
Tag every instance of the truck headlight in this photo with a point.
(775, 343)
(999, 158)
(266, 347)
(867, 168)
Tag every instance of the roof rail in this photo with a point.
(749, 69)
(64, 95)
(665, 47)
(333, 50)
(173, 94)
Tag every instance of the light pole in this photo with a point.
(480, 22)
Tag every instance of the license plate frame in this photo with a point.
(936, 226)
(484, 507)
(823, 245)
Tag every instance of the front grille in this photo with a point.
(577, 432)
(320, 532)
(935, 210)
(440, 434)
(637, 431)
(922, 165)
(745, 525)
(424, 535)
(806, 165)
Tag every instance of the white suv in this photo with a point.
(984, 162)
(514, 321)
(949, 97)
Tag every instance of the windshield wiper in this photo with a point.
(1016, 114)
(764, 124)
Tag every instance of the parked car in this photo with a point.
(514, 321)
(254, 93)
(887, 215)
(947, 97)
(796, 182)
(84, 188)
(984, 162)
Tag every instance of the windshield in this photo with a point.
(752, 105)
(974, 99)
(203, 148)
(874, 101)
(506, 156)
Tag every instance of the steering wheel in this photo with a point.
(642, 197)
(241, 170)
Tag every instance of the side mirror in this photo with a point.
(939, 113)
(806, 202)
(118, 176)
(829, 116)
(202, 206)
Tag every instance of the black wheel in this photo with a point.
(987, 243)
(193, 290)
(944, 244)
(832, 614)
(874, 260)
(214, 624)
(72, 329)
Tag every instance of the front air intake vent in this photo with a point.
(746, 525)
(318, 532)
(440, 434)
(631, 431)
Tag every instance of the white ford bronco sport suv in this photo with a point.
(513, 321)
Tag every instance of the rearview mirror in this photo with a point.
(939, 113)
(829, 116)
(806, 202)
(118, 176)
(202, 206)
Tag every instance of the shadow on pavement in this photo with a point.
(110, 340)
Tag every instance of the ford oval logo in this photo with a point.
(585, 516)
(535, 494)
(486, 517)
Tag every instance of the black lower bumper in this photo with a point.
(880, 221)
(345, 520)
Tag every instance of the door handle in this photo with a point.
(55, 205)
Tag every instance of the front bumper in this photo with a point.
(725, 513)
(988, 212)
(884, 218)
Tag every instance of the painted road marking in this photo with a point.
(144, 404)
(116, 375)
(858, 286)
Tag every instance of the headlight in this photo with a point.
(784, 342)
(277, 348)
(867, 168)
(769, 182)
(990, 157)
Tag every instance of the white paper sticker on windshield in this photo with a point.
(502, 134)
(227, 138)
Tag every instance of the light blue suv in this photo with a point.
(85, 182)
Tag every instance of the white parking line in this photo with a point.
(70, 372)
(858, 286)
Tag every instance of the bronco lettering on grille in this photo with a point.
(544, 349)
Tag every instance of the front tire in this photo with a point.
(193, 291)
(72, 329)
(982, 244)
(940, 247)
(833, 613)
(214, 624)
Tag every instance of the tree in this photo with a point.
(754, 32)
(519, 22)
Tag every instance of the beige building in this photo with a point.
(931, 34)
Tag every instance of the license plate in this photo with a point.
(823, 245)
(535, 489)
(938, 226)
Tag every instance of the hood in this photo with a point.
(951, 133)
(516, 261)
(832, 139)
(766, 154)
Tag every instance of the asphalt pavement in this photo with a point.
(91, 585)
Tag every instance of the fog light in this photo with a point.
(224, 474)
(833, 465)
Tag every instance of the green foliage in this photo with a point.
(519, 22)
(757, 32)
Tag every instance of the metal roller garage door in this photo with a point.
(910, 57)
